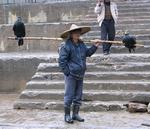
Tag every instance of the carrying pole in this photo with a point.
(60, 39)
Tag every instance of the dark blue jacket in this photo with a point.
(72, 58)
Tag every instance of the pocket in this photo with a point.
(75, 68)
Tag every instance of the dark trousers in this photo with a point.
(73, 91)
(107, 33)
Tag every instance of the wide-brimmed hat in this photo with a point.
(84, 29)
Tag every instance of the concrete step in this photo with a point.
(122, 18)
(129, 4)
(132, 9)
(138, 37)
(92, 95)
(93, 106)
(126, 7)
(99, 85)
(105, 65)
(123, 14)
(40, 76)
(119, 23)
(121, 32)
(126, 20)
(119, 58)
(122, 27)
(118, 26)
(122, 49)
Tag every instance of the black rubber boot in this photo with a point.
(75, 115)
(68, 118)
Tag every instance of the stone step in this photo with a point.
(122, 18)
(99, 85)
(125, 14)
(120, 9)
(122, 49)
(92, 95)
(119, 23)
(122, 27)
(126, 7)
(119, 58)
(120, 32)
(138, 37)
(146, 43)
(93, 106)
(40, 76)
(128, 4)
(118, 26)
(105, 65)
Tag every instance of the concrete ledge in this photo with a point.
(17, 68)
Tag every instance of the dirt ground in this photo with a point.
(46, 119)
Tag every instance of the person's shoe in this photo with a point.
(68, 118)
(106, 53)
(75, 115)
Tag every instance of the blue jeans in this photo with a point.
(107, 33)
(73, 91)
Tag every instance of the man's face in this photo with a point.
(76, 34)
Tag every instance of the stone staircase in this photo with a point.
(110, 81)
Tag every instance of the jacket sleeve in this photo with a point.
(98, 9)
(63, 60)
(90, 51)
(116, 10)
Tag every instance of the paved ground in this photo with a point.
(45, 119)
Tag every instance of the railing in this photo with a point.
(33, 1)
(18, 1)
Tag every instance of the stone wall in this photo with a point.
(43, 12)
(16, 69)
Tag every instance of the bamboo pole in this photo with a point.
(37, 38)
(60, 39)
(114, 42)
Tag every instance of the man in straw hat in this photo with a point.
(72, 62)
(107, 14)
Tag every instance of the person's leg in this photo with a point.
(104, 34)
(111, 31)
(70, 85)
(77, 101)
(20, 41)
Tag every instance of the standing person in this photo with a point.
(107, 17)
(72, 62)
(19, 31)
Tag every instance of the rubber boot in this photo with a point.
(68, 118)
(75, 115)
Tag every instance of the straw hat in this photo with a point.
(84, 29)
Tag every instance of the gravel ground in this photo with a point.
(46, 119)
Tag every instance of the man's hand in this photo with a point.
(96, 42)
